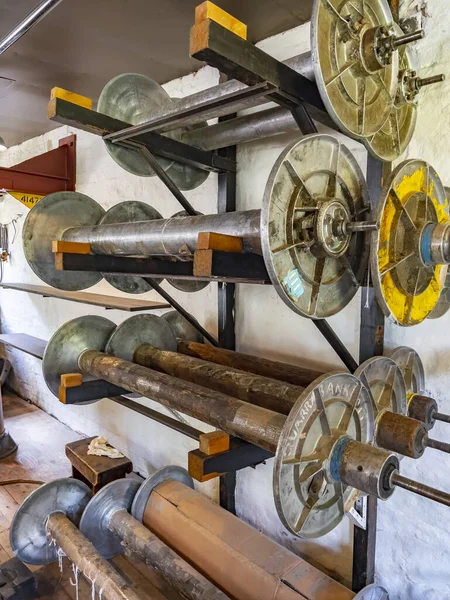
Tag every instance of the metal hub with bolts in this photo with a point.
(394, 430)
(29, 537)
(412, 244)
(443, 304)
(391, 141)
(134, 99)
(129, 212)
(355, 63)
(312, 235)
(420, 407)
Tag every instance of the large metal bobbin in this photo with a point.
(129, 212)
(134, 99)
(392, 139)
(66, 344)
(28, 536)
(356, 78)
(314, 248)
(46, 222)
(310, 501)
(411, 246)
(443, 304)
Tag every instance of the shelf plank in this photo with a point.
(24, 342)
(109, 302)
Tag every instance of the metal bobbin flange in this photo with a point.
(181, 327)
(412, 208)
(383, 379)
(130, 212)
(45, 223)
(315, 194)
(164, 474)
(133, 99)
(28, 535)
(391, 141)
(187, 285)
(308, 500)
(357, 85)
(68, 342)
(94, 523)
(139, 330)
(412, 369)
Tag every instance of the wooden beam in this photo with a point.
(241, 60)
(208, 10)
(218, 241)
(73, 115)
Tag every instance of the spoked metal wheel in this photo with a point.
(315, 191)
(357, 91)
(391, 141)
(412, 369)
(407, 287)
(308, 501)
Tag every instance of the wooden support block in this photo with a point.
(71, 247)
(96, 471)
(203, 260)
(196, 460)
(208, 240)
(214, 442)
(208, 10)
(58, 92)
(69, 380)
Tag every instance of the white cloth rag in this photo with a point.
(100, 447)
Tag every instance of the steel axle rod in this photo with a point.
(420, 489)
(86, 558)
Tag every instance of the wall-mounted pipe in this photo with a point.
(36, 15)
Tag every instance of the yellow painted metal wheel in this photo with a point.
(407, 288)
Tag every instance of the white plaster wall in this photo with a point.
(413, 547)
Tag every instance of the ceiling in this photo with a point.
(82, 44)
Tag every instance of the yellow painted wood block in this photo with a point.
(208, 10)
(58, 92)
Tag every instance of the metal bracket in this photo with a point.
(53, 171)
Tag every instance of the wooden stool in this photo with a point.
(95, 471)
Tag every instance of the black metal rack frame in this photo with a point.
(271, 78)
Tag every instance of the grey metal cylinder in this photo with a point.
(259, 125)
(176, 236)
